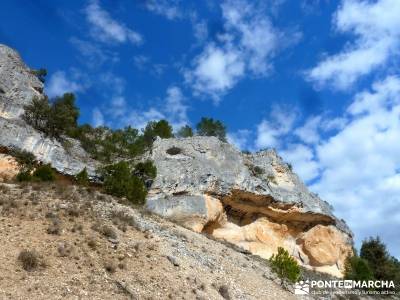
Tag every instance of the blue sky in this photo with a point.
(319, 80)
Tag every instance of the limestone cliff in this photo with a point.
(17, 88)
(252, 200)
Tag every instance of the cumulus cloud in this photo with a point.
(175, 107)
(239, 138)
(97, 117)
(107, 29)
(144, 63)
(351, 161)
(166, 8)
(59, 83)
(360, 164)
(172, 108)
(217, 70)
(308, 133)
(92, 54)
(245, 47)
(120, 113)
(302, 159)
(269, 132)
(376, 26)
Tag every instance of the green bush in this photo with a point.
(383, 265)
(119, 181)
(153, 129)
(106, 145)
(24, 176)
(285, 266)
(146, 169)
(53, 119)
(40, 74)
(26, 160)
(357, 268)
(82, 178)
(211, 127)
(44, 173)
(185, 131)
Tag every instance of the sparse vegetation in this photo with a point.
(110, 266)
(56, 118)
(285, 266)
(185, 131)
(44, 173)
(108, 231)
(153, 129)
(25, 159)
(357, 268)
(40, 74)
(82, 178)
(211, 127)
(23, 176)
(55, 226)
(382, 264)
(271, 178)
(146, 170)
(174, 150)
(119, 181)
(29, 260)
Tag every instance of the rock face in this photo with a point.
(17, 88)
(252, 200)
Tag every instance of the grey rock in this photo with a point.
(207, 166)
(173, 260)
(18, 86)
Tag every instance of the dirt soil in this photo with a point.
(90, 246)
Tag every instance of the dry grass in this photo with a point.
(29, 259)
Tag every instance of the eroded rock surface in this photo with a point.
(252, 200)
(18, 86)
(8, 167)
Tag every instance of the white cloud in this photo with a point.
(376, 26)
(97, 117)
(59, 84)
(360, 164)
(120, 113)
(175, 109)
(353, 161)
(167, 8)
(117, 106)
(106, 29)
(200, 30)
(246, 47)
(144, 63)
(217, 69)
(308, 133)
(240, 138)
(280, 123)
(303, 160)
(93, 55)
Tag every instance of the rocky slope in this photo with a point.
(17, 88)
(89, 246)
(252, 200)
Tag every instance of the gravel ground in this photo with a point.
(90, 246)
